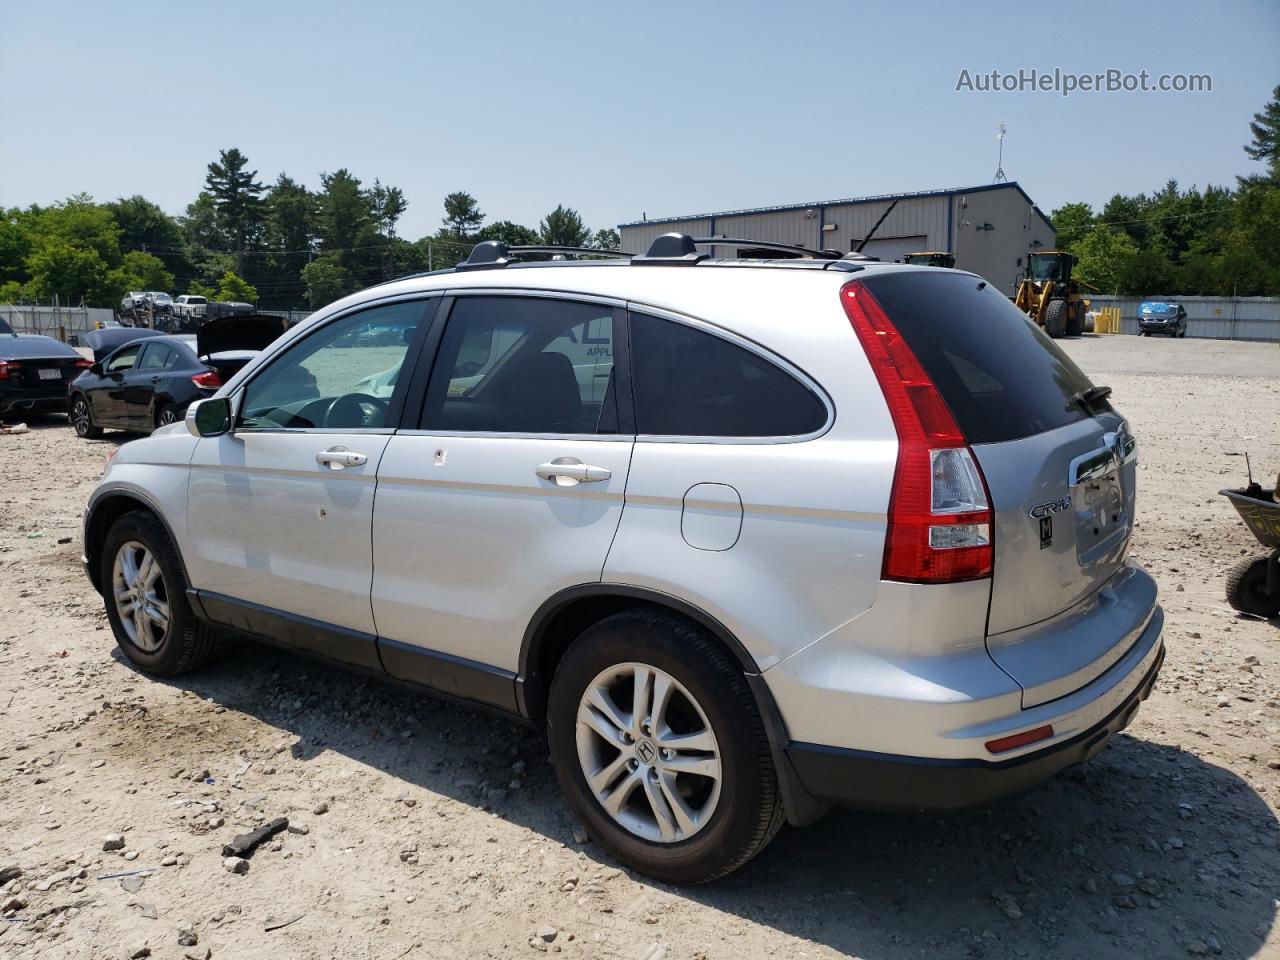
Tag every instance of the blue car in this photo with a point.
(1166, 318)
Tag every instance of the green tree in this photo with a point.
(1072, 221)
(198, 289)
(237, 197)
(512, 234)
(388, 205)
(607, 239)
(563, 227)
(144, 226)
(461, 214)
(345, 218)
(326, 280)
(73, 274)
(1147, 273)
(232, 287)
(140, 271)
(1265, 128)
(1103, 252)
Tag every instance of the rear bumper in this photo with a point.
(871, 780)
(46, 400)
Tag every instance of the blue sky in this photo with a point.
(619, 109)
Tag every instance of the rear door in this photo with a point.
(509, 490)
(1060, 472)
(142, 381)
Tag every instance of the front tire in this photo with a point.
(1055, 319)
(660, 749)
(1247, 586)
(166, 415)
(81, 416)
(145, 592)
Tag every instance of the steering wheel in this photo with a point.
(356, 410)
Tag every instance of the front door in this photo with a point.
(510, 490)
(108, 398)
(280, 509)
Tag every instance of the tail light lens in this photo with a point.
(83, 364)
(940, 518)
(209, 379)
(7, 369)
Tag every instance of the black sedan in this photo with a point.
(151, 379)
(34, 372)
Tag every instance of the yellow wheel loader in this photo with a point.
(932, 258)
(1049, 296)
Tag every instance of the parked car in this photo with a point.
(1166, 318)
(747, 538)
(189, 308)
(34, 372)
(144, 379)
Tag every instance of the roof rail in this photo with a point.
(770, 245)
(675, 248)
(494, 254)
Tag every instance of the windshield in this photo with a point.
(1044, 266)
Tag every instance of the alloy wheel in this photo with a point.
(141, 598)
(648, 752)
(80, 416)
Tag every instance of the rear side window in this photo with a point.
(689, 383)
(1002, 377)
(524, 365)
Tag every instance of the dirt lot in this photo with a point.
(430, 831)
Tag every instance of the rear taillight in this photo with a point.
(939, 513)
(8, 368)
(83, 364)
(209, 379)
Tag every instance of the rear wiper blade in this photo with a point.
(1089, 399)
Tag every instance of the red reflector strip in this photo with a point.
(1005, 744)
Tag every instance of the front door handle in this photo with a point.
(568, 472)
(336, 458)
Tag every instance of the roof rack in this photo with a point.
(494, 254)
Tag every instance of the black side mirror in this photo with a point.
(96, 369)
(209, 418)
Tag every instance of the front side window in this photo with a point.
(690, 383)
(123, 360)
(345, 376)
(524, 365)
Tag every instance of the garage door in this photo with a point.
(894, 248)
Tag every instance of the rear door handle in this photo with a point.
(336, 458)
(568, 472)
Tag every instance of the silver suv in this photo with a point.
(747, 537)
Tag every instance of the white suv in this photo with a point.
(747, 537)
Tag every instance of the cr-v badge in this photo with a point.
(1044, 513)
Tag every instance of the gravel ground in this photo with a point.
(421, 829)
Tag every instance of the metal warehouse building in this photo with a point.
(989, 228)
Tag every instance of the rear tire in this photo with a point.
(1055, 319)
(81, 416)
(1075, 318)
(166, 415)
(724, 820)
(145, 591)
(1246, 588)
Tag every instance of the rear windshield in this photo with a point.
(1002, 377)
